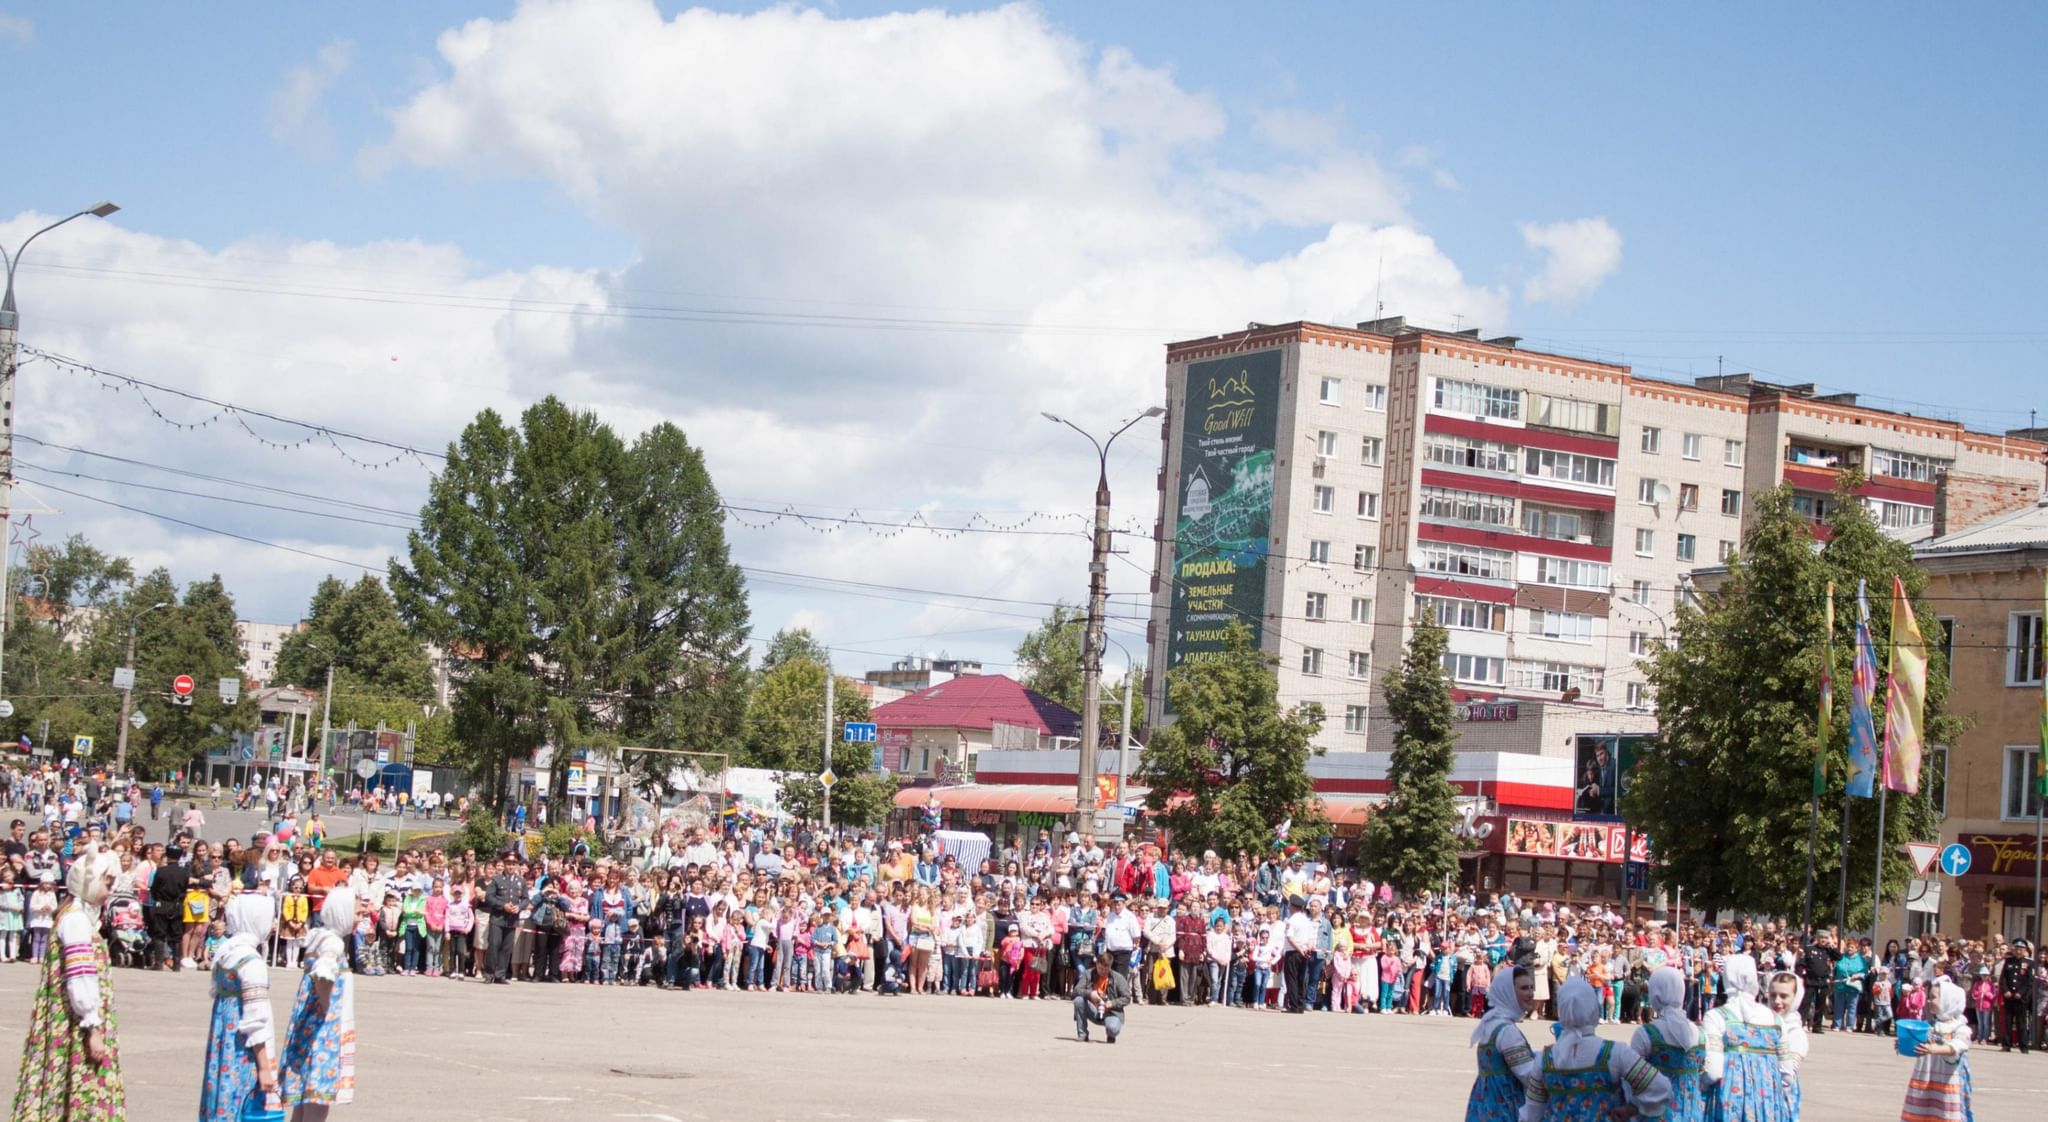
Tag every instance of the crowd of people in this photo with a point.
(757, 907)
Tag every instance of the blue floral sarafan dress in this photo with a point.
(1497, 1092)
(1685, 1068)
(1751, 1087)
(1581, 1094)
(241, 1020)
(319, 1062)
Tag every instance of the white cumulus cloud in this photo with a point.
(298, 112)
(1578, 255)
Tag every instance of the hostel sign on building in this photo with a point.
(1225, 500)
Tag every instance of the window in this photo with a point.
(1326, 499)
(1813, 507)
(1317, 606)
(1361, 609)
(1557, 677)
(1354, 718)
(1357, 664)
(1443, 504)
(2022, 795)
(1368, 504)
(1372, 451)
(266, 644)
(1476, 669)
(1688, 547)
(1577, 574)
(1462, 615)
(1319, 553)
(1653, 439)
(1469, 561)
(1688, 496)
(1574, 414)
(1646, 543)
(1646, 491)
(1639, 591)
(1569, 627)
(1638, 695)
(1689, 445)
(1478, 399)
(1326, 443)
(2023, 649)
(1363, 557)
(1906, 465)
(1899, 516)
(1731, 453)
(1556, 524)
(1731, 503)
(1567, 467)
(1638, 643)
(1945, 640)
(1470, 454)
(1937, 779)
(1375, 397)
(1312, 661)
(1726, 552)
(1333, 391)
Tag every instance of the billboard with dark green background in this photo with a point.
(1224, 497)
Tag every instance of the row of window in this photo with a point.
(1363, 557)
(1371, 451)
(1691, 446)
(1357, 664)
(1373, 395)
(1688, 545)
(1479, 399)
(1325, 500)
(1317, 607)
(1688, 496)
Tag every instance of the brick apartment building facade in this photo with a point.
(1326, 484)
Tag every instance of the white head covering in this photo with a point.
(338, 911)
(87, 879)
(1667, 990)
(1948, 1000)
(251, 915)
(1738, 975)
(1503, 1003)
(1798, 993)
(1578, 1009)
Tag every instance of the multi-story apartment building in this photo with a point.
(1326, 485)
(258, 644)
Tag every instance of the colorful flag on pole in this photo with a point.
(1827, 698)
(1905, 698)
(1862, 687)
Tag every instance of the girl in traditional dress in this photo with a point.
(1506, 1063)
(1744, 1051)
(70, 1070)
(1672, 1045)
(319, 1064)
(241, 1065)
(1785, 995)
(1583, 1078)
(1940, 1088)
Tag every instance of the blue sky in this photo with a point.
(1855, 204)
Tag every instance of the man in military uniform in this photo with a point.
(504, 896)
(2016, 994)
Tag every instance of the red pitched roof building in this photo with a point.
(937, 732)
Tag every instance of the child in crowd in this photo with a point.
(800, 946)
(825, 949)
(1218, 946)
(436, 909)
(412, 929)
(1913, 1004)
(216, 934)
(593, 951)
(391, 932)
(461, 921)
(653, 959)
(13, 915)
(1390, 977)
(369, 957)
(293, 913)
(612, 951)
(578, 933)
(42, 915)
(1984, 1003)
(1881, 994)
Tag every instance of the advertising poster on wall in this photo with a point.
(1225, 501)
(1602, 766)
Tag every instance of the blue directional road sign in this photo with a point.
(1955, 859)
(859, 732)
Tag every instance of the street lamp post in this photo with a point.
(128, 695)
(1098, 602)
(10, 324)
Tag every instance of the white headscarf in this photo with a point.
(338, 911)
(1738, 975)
(1578, 1009)
(250, 915)
(1667, 998)
(87, 879)
(1948, 1000)
(1503, 1004)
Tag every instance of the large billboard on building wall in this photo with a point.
(1225, 502)
(1603, 767)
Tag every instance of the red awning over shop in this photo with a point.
(1032, 799)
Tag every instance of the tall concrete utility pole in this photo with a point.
(127, 695)
(1098, 604)
(10, 324)
(828, 751)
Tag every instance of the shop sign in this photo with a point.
(1489, 711)
(2000, 855)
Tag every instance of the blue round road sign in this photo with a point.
(1955, 859)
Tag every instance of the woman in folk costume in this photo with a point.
(319, 1064)
(1583, 1078)
(1940, 1087)
(241, 1064)
(1672, 1045)
(70, 1070)
(1506, 1062)
(1786, 995)
(1745, 1051)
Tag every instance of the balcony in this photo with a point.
(1823, 456)
(1565, 524)
(1563, 680)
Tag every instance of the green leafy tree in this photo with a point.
(1726, 795)
(67, 600)
(587, 587)
(863, 799)
(793, 642)
(1411, 840)
(785, 718)
(381, 672)
(1050, 656)
(195, 635)
(1233, 765)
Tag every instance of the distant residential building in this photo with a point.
(259, 643)
(919, 672)
(937, 732)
